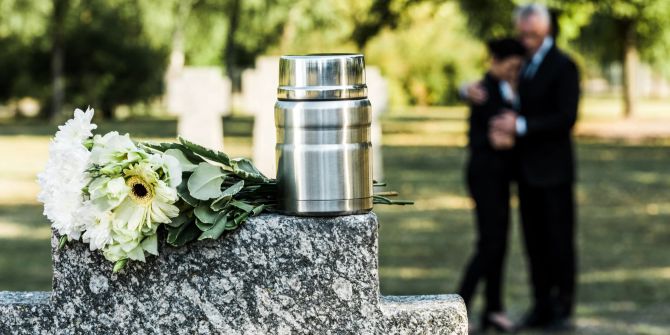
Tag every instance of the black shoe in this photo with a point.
(489, 320)
(536, 320)
(562, 324)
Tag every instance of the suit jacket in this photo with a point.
(549, 102)
(483, 158)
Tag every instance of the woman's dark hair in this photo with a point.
(505, 47)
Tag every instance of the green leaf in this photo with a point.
(240, 219)
(119, 265)
(174, 232)
(186, 164)
(378, 199)
(216, 230)
(233, 189)
(257, 210)
(181, 219)
(62, 241)
(245, 215)
(210, 154)
(185, 195)
(220, 203)
(205, 182)
(381, 200)
(243, 168)
(227, 194)
(185, 233)
(205, 214)
(163, 147)
(203, 226)
(243, 206)
(150, 244)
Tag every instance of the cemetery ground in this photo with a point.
(623, 226)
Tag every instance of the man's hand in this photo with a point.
(502, 130)
(501, 140)
(504, 122)
(476, 93)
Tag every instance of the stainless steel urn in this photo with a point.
(323, 116)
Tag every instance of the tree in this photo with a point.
(96, 51)
(489, 18)
(22, 61)
(109, 59)
(427, 54)
(60, 9)
(640, 30)
(624, 31)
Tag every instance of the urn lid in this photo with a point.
(322, 77)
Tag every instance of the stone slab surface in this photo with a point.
(25, 313)
(429, 314)
(276, 275)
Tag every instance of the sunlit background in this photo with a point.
(115, 56)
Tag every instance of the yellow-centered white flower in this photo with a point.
(107, 190)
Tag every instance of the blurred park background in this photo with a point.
(115, 56)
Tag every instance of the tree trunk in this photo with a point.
(178, 54)
(58, 58)
(631, 60)
(289, 29)
(230, 52)
(107, 111)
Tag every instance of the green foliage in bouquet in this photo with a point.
(215, 198)
(114, 194)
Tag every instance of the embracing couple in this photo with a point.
(522, 114)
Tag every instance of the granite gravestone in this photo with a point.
(275, 275)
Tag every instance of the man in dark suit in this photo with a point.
(549, 96)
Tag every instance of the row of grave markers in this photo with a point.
(200, 96)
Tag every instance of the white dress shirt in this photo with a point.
(528, 73)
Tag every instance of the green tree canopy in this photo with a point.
(622, 31)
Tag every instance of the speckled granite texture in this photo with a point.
(275, 275)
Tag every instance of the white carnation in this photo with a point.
(78, 129)
(99, 230)
(65, 175)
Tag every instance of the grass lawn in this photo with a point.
(624, 218)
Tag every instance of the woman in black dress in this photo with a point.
(489, 173)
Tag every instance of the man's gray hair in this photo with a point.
(526, 11)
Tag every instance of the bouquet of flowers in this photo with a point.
(114, 193)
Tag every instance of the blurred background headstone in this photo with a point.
(378, 94)
(200, 96)
(248, 96)
(259, 95)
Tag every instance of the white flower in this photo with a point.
(150, 200)
(135, 202)
(77, 129)
(129, 244)
(107, 193)
(65, 175)
(114, 152)
(114, 196)
(98, 232)
(170, 166)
